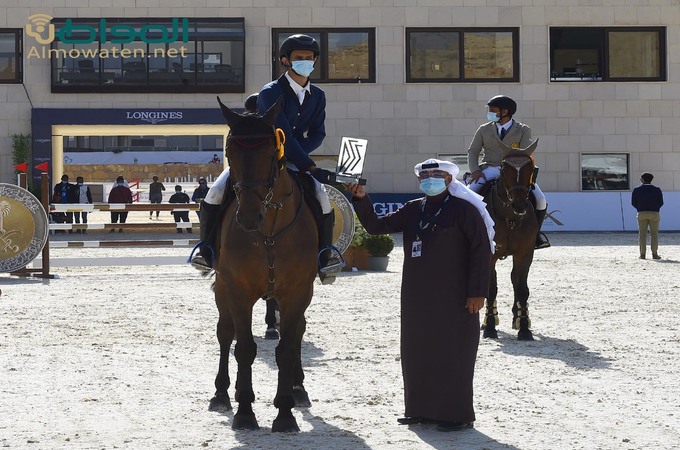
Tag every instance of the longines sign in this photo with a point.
(153, 116)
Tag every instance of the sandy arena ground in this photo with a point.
(125, 357)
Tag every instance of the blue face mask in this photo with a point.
(492, 117)
(303, 68)
(433, 186)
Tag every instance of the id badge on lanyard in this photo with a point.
(417, 248)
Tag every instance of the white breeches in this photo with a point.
(493, 172)
(217, 190)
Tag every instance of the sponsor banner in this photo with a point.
(573, 211)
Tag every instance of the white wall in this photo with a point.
(604, 211)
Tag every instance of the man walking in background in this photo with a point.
(648, 200)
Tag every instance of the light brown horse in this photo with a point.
(267, 248)
(509, 205)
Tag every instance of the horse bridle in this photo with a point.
(516, 162)
(276, 167)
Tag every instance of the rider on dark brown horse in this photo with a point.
(503, 127)
(302, 120)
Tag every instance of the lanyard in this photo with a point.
(429, 223)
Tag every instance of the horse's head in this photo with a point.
(254, 150)
(517, 170)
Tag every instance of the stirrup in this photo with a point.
(334, 263)
(541, 241)
(199, 262)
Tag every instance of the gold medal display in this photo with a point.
(23, 227)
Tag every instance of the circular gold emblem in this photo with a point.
(343, 232)
(23, 227)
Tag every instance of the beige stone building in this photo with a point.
(597, 80)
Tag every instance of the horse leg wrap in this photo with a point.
(491, 315)
(522, 313)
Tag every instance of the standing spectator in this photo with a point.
(180, 216)
(155, 194)
(216, 159)
(63, 193)
(82, 195)
(445, 281)
(199, 194)
(648, 200)
(119, 194)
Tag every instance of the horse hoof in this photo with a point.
(220, 403)
(490, 333)
(525, 335)
(301, 398)
(272, 334)
(285, 425)
(244, 422)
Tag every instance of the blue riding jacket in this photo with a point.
(303, 124)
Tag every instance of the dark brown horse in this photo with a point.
(516, 226)
(267, 248)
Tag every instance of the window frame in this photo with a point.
(195, 46)
(461, 52)
(604, 59)
(323, 56)
(18, 55)
(618, 154)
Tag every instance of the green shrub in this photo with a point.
(378, 244)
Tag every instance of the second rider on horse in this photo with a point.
(502, 127)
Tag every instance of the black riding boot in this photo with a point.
(209, 215)
(541, 239)
(330, 260)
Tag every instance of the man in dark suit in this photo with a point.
(302, 119)
(648, 200)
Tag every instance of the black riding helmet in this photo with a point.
(503, 102)
(251, 103)
(298, 42)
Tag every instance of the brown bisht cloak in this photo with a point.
(439, 337)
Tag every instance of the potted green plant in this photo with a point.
(379, 246)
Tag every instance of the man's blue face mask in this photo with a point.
(303, 68)
(433, 186)
(492, 117)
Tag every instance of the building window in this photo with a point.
(449, 55)
(182, 55)
(347, 55)
(605, 172)
(10, 56)
(608, 54)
